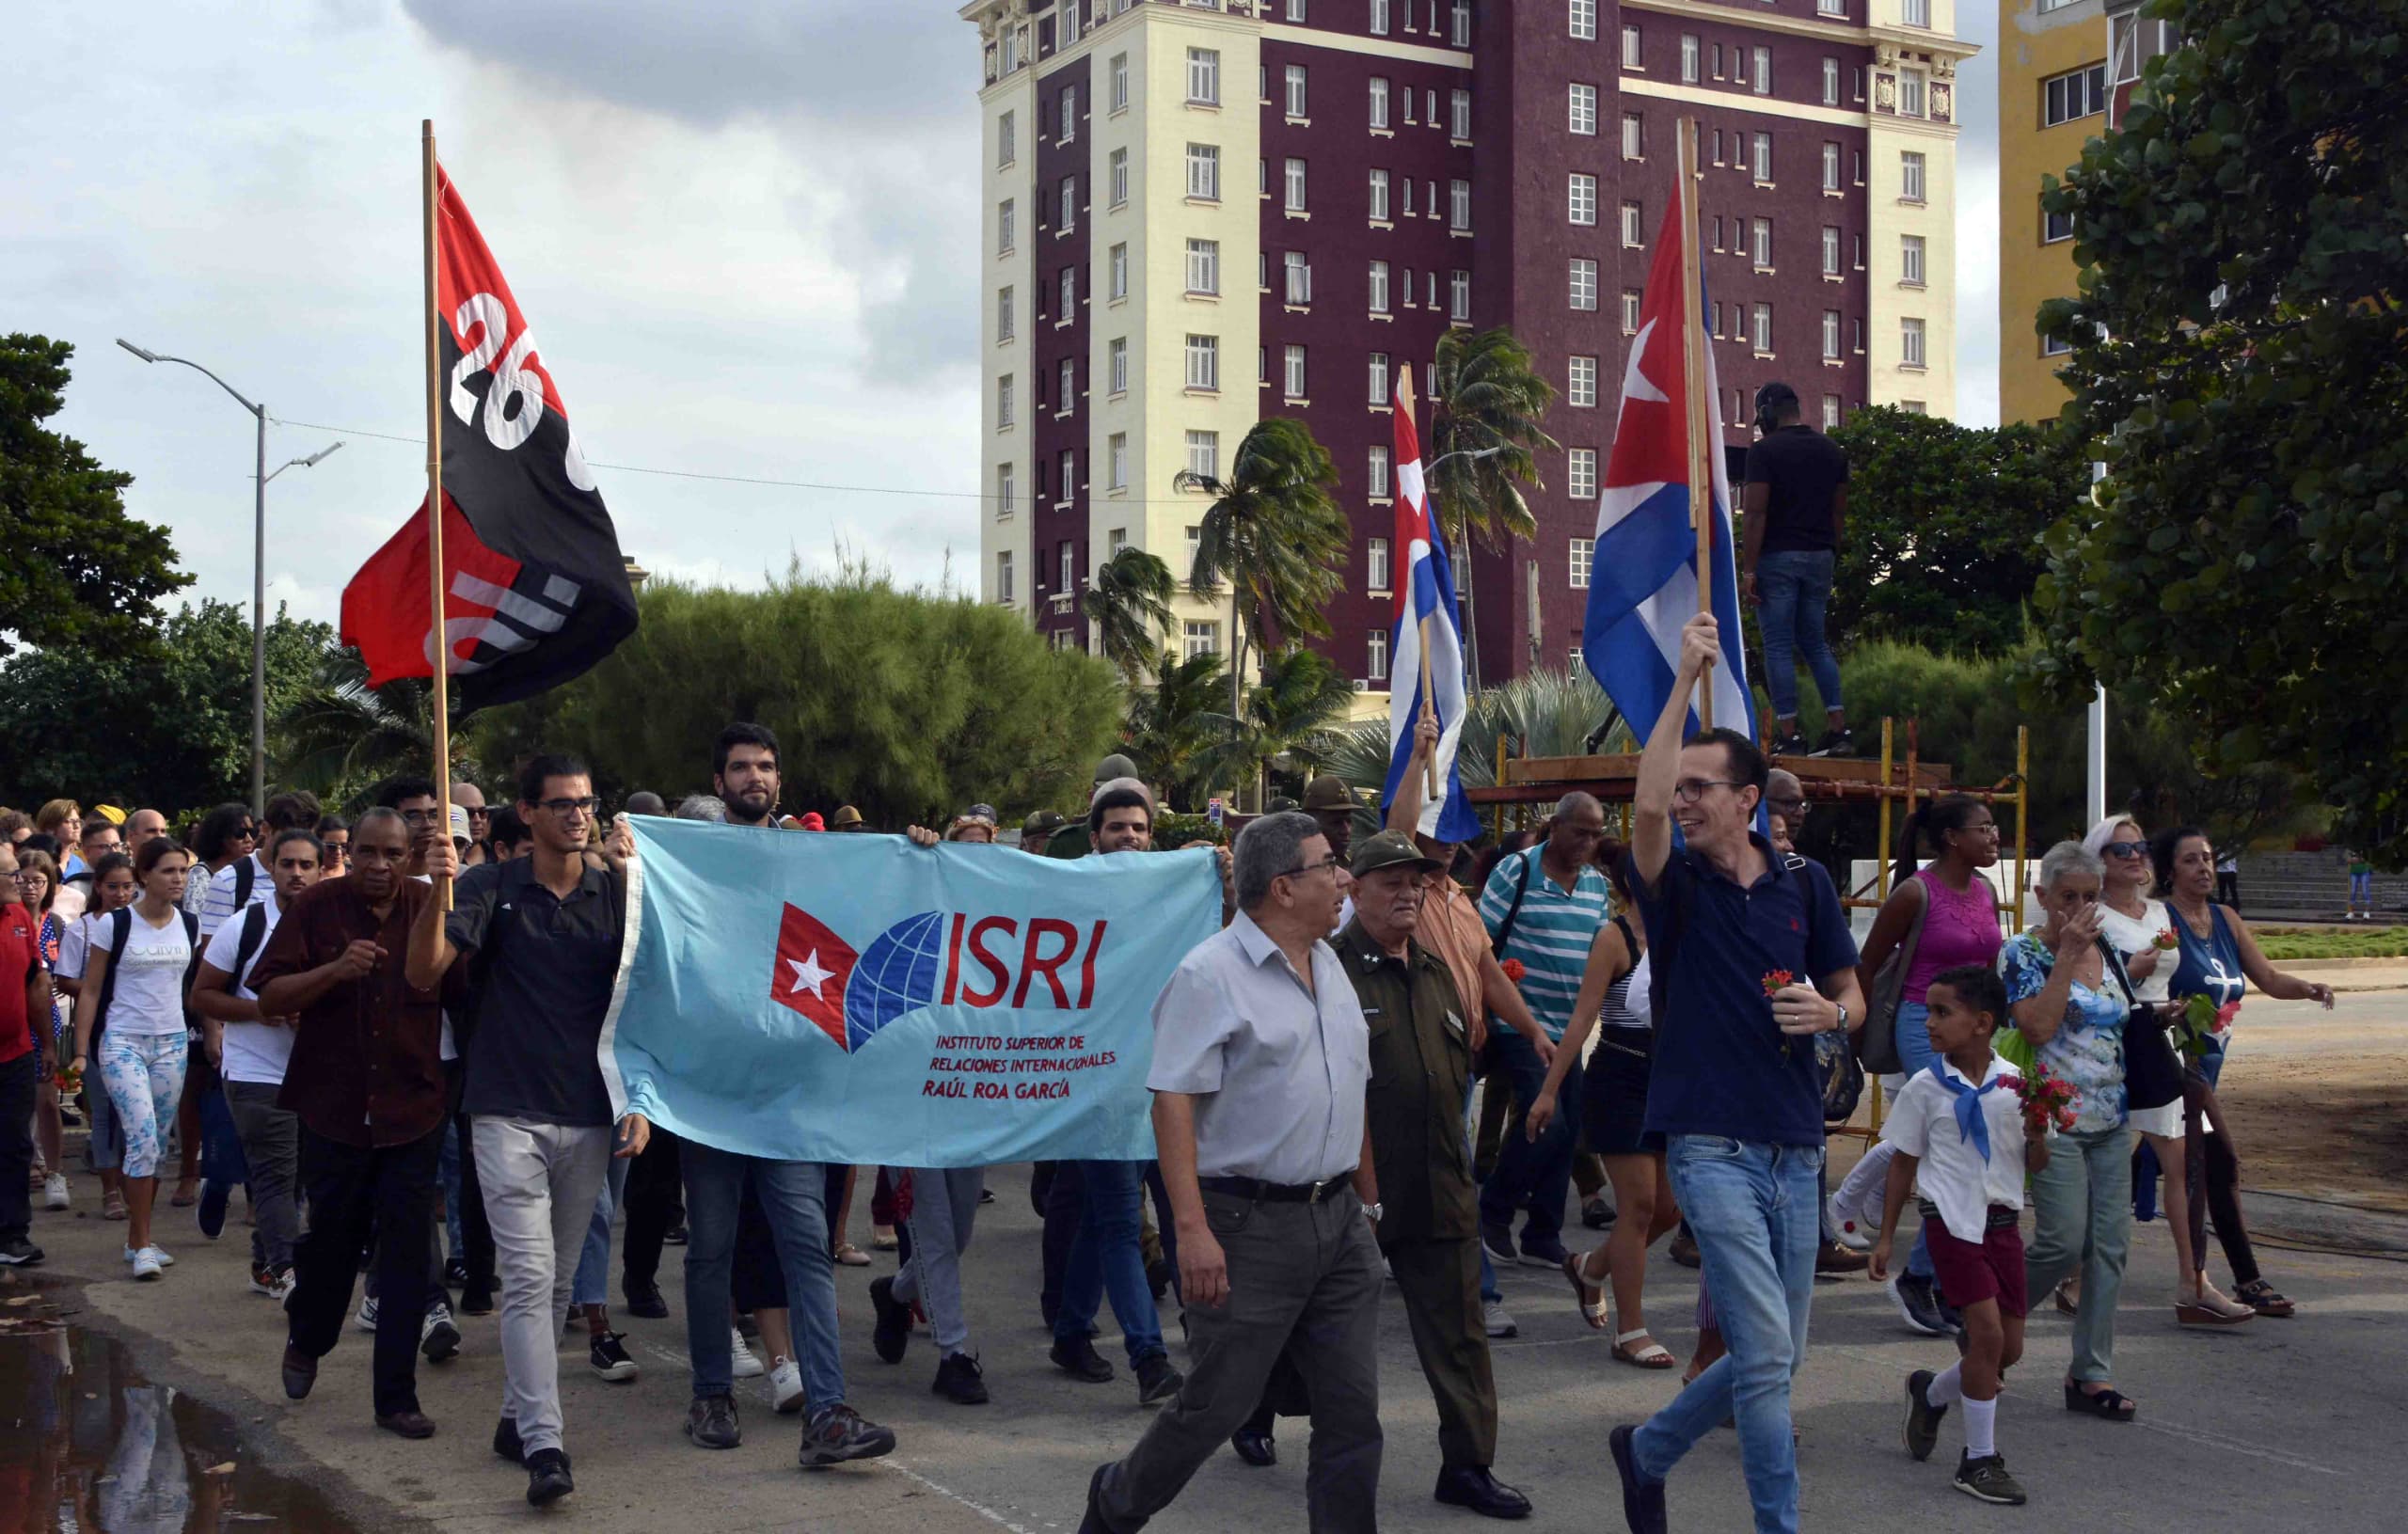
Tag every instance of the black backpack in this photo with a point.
(248, 945)
(246, 873)
(121, 929)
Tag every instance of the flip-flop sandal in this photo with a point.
(2259, 1296)
(1591, 1297)
(1654, 1355)
(2108, 1404)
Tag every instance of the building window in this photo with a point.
(1380, 490)
(1459, 296)
(1004, 592)
(1631, 234)
(1915, 12)
(1376, 387)
(1066, 386)
(1380, 17)
(1910, 258)
(1584, 110)
(1760, 243)
(1292, 383)
(2055, 227)
(1584, 550)
(1069, 479)
(1582, 472)
(1830, 335)
(1830, 167)
(1584, 19)
(1007, 314)
(1204, 76)
(1631, 300)
(1296, 83)
(1204, 362)
(1830, 82)
(1584, 283)
(1117, 178)
(1830, 250)
(1117, 461)
(1296, 186)
(1856, 246)
(1630, 48)
(1459, 205)
(1718, 60)
(1910, 175)
(1295, 10)
(1856, 335)
(1634, 136)
(1119, 76)
(1299, 275)
(2054, 346)
(1689, 50)
(1459, 115)
(1584, 199)
(1069, 568)
(1831, 412)
(1380, 196)
(1007, 140)
(1068, 308)
(1005, 491)
(1910, 342)
(1379, 102)
(1204, 454)
(1583, 390)
(1910, 92)
(1006, 226)
(1070, 208)
(1761, 159)
(2076, 95)
(1004, 403)
(1762, 338)
(1379, 287)
(1204, 266)
(1762, 78)
(1069, 114)
(1459, 23)
(1114, 541)
(1839, 7)
(1375, 652)
(1204, 172)
(1202, 639)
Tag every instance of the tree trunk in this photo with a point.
(1464, 589)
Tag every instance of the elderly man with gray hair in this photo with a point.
(1261, 1058)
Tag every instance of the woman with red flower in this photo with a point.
(2219, 958)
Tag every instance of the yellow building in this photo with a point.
(2051, 97)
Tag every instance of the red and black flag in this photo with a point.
(535, 590)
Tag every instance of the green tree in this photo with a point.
(1291, 716)
(906, 703)
(1484, 440)
(2238, 357)
(1129, 603)
(340, 737)
(1942, 546)
(1275, 536)
(1541, 713)
(1164, 726)
(75, 571)
(166, 725)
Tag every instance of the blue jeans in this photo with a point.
(1751, 1207)
(1539, 1172)
(591, 1285)
(1916, 1056)
(1795, 587)
(794, 1197)
(1105, 1261)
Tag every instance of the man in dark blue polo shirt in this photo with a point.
(1735, 937)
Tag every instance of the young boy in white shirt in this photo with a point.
(1956, 1135)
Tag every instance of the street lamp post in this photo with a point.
(1463, 559)
(259, 565)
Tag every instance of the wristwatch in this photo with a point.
(1841, 1026)
(1372, 1213)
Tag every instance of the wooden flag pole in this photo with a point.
(441, 639)
(1693, 343)
(1429, 706)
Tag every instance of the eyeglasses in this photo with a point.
(1330, 862)
(479, 811)
(338, 851)
(587, 805)
(418, 817)
(1794, 810)
(2125, 850)
(1690, 790)
(1987, 827)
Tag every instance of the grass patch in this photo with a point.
(2288, 942)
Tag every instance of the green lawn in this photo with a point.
(2284, 942)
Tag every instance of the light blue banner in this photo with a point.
(859, 1000)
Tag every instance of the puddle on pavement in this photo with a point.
(88, 1446)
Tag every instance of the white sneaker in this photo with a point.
(146, 1263)
(1845, 1230)
(1495, 1321)
(366, 1320)
(54, 1190)
(158, 1255)
(745, 1366)
(786, 1387)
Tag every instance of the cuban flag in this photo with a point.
(1425, 594)
(1643, 575)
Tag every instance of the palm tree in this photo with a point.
(1485, 437)
(1129, 603)
(1543, 713)
(1275, 535)
(1292, 712)
(340, 736)
(1164, 727)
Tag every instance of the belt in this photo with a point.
(1279, 1193)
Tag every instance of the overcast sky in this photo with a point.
(744, 234)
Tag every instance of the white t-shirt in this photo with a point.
(148, 994)
(1950, 1171)
(255, 1051)
(218, 908)
(74, 940)
(2138, 937)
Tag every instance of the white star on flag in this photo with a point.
(808, 975)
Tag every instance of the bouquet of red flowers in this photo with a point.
(70, 1081)
(2048, 1102)
(1774, 980)
(2165, 941)
(1514, 968)
(2198, 1020)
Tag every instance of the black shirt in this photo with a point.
(1801, 467)
(543, 969)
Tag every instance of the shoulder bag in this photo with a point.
(2153, 1074)
(1877, 1046)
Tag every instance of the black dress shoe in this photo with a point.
(1254, 1447)
(410, 1424)
(505, 1441)
(644, 1299)
(1471, 1486)
(456, 1272)
(891, 1329)
(547, 1477)
(1078, 1357)
(1643, 1500)
(300, 1373)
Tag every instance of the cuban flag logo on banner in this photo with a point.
(1644, 577)
(1425, 605)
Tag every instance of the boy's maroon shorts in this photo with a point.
(1971, 1271)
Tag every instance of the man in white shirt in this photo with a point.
(245, 881)
(250, 1052)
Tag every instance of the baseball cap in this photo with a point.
(1114, 766)
(1387, 849)
(460, 823)
(110, 813)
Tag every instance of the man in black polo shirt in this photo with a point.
(1734, 934)
(1797, 500)
(543, 934)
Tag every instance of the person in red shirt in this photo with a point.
(24, 995)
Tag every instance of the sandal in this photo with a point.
(187, 1193)
(2209, 1308)
(849, 1256)
(2259, 1296)
(1591, 1297)
(2107, 1403)
(113, 1206)
(2070, 1306)
(1654, 1355)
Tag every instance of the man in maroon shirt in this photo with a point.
(24, 994)
(367, 1081)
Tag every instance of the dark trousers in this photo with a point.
(1304, 1283)
(18, 1079)
(2213, 1180)
(1440, 1280)
(358, 1193)
(1065, 1196)
(2228, 890)
(1539, 1174)
(655, 1199)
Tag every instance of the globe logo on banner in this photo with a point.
(848, 995)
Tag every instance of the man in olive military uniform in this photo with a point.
(848, 819)
(1040, 829)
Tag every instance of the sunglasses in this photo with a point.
(2125, 850)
